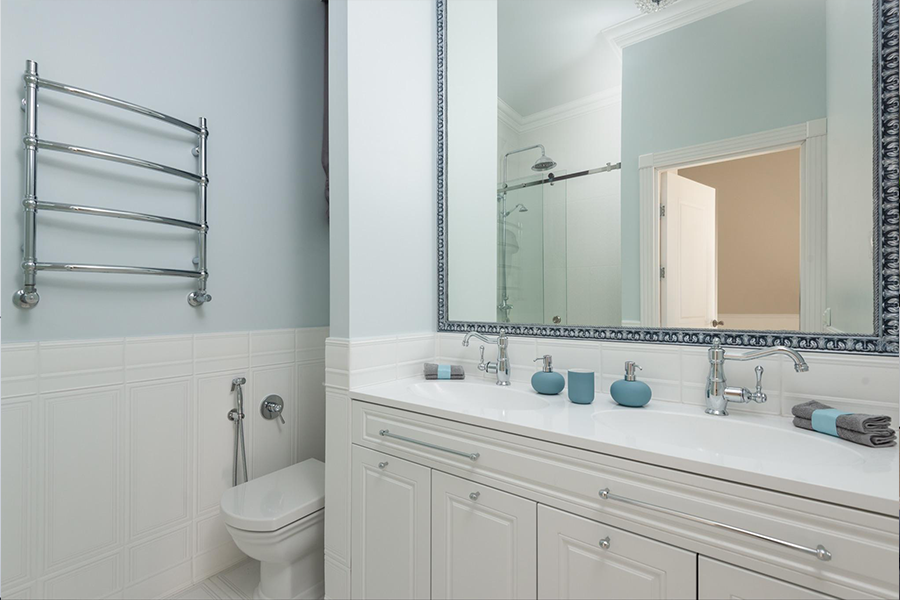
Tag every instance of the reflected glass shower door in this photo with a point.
(531, 253)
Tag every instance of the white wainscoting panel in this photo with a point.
(116, 452)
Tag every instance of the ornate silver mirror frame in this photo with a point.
(886, 140)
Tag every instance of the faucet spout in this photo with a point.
(475, 334)
(800, 365)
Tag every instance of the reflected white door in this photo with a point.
(688, 289)
(484, 541)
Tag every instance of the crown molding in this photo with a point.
(643, 27)
(508, 115)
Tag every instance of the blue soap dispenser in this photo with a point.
(546, 381)
(630, 391)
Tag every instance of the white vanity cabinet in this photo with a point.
(483, 541)
(578, 558)
(391, 512)
(721, 580)
(468, 511)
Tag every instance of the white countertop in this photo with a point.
(759, 450)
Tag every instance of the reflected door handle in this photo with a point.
(716, 323)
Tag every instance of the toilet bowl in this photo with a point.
(279, 520)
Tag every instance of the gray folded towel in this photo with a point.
(456, 371)
(859, 422)
(876, 438)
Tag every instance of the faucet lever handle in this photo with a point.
(759, 396)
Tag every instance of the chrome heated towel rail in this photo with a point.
(28, 296)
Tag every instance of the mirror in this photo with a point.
(687, 164)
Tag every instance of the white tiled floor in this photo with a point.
(234, 583)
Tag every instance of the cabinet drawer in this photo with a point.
(720, 580)
(578, 558)
(863, 546)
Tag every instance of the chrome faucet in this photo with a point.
(501, 367)
(718, 395)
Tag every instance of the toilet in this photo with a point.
(279, 519)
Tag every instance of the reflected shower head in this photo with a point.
(518, 208)
(544, 163)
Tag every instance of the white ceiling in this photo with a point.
(551, 52)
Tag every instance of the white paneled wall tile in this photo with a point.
(272, 347)
(415, 348)
(18, 540)
(309, 416)
(337, 354)
(160, 426)
(373, 354)
(865, 379)
(310, 344)
(75, 365)
(82, 468)
(211, 533)
(159, 554)
(364, 377)
(158, 357)
(162, 584)
(20, 369)
(109, 507)
(221, 352)
(97, 579)
(273, 446)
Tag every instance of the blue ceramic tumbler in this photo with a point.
(581, 386)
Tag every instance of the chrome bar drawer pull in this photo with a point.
(604, 543)
(473, 456)
(819, 551)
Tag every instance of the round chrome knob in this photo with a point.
(604, 543)
(474, 496)
(382, 464)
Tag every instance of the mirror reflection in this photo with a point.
(689, 164)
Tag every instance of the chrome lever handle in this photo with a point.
(758, 395)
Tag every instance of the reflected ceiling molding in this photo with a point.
(508, 115)
(645, 26)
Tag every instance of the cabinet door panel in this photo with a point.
(721, 580)
(391, 527)
(573, 564)
(484, 541)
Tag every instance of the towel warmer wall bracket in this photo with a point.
(28, 296)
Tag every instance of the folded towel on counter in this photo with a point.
(858, 422)
(436, 371)
(876, 438)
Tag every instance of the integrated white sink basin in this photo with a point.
(733, 436)
(478, 395)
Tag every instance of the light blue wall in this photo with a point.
(383, 140)
(255, 70)
(755, 67)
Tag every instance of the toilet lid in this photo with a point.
(272, 501)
